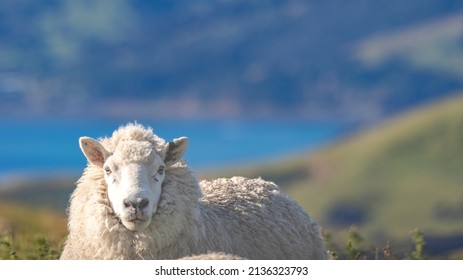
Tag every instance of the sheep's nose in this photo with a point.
(136, 204)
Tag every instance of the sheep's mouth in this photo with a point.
(136, 224)
(137, 220)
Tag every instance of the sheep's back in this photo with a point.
(260, 221)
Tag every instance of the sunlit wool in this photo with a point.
(250, 218)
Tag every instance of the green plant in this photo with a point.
(330, 246)
(354, 245)
(43, 250)
(418, 240)
(7, 251)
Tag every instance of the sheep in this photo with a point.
(137, 199)
(213, 256)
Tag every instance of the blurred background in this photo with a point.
(355, 109)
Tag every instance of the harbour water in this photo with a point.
(45, 146)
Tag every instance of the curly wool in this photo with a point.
(250, 218)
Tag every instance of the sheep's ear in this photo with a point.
(93, 151)
(174, 150)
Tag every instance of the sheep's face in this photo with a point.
(134, 183)
(134, 174)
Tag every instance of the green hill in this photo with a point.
(402, 174)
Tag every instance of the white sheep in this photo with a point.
(137, 199)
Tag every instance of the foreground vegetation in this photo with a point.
(355, 248)
(39, 234)
(38, 246)
(30, 233)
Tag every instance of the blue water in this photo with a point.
(47, 146)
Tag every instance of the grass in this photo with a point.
(39, 248)
(356, 248)
(30, 233)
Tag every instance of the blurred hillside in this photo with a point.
(357, 61)
(405, 173)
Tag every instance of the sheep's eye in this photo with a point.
(107, 170)
(161, 169)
